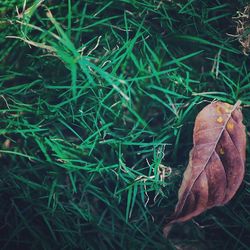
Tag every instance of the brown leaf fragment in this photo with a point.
(216, 162)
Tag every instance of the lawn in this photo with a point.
(97, 103)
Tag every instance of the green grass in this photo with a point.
(98, 101)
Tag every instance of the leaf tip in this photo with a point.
(166, 230)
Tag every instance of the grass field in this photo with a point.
(98, 101)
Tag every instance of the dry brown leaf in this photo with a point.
(216, 162)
